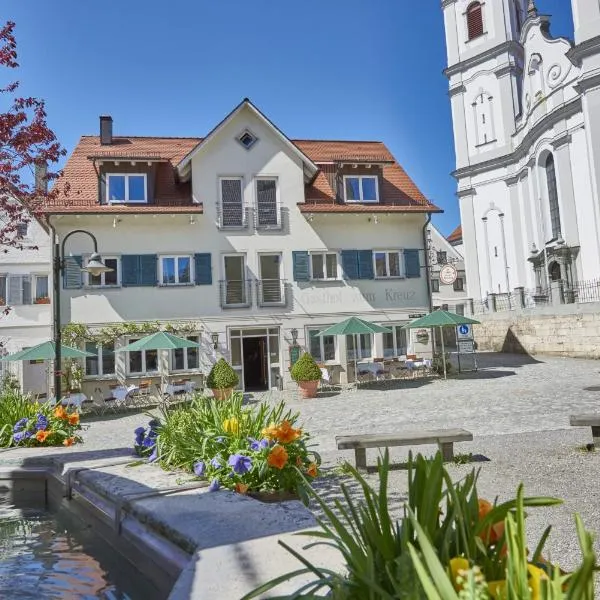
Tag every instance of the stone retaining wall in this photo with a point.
(565, 330)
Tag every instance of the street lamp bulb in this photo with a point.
(95, 266)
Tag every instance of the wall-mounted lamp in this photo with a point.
(294, 333)
(192, 220)
(215, 340)
(375, 220)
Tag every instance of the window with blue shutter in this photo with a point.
(365, 264)
(301, 265)
(139, 270)
(350, 264)
(412, 264)
(203, 268)
(72, 275)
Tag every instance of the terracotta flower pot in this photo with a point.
(308, 388)
(222, 394)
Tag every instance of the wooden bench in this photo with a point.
(590, 420)
(445, 439)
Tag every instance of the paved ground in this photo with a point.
(517, 408)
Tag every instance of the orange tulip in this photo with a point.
(74, 419)
(60, 413)
(278, 457)
(312, 470)
(69, 441)
(41, 435)
(241, 488)
(485, 506)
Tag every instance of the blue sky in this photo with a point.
(331, 69)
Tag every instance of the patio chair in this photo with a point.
(142, 395)
(325, 384)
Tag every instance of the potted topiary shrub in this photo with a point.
(222, 379)
(307, 374)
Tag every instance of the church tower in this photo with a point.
(485, 61)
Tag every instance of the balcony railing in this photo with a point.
(268, 216)
(235, 293)
(232, 216)
(271, 292)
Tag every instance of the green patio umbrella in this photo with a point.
(354, 326)
(45, 351)
(441, 318)
(159, 341)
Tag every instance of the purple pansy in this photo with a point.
(215, 462)
(214, 485)
(154, 456)
(20, 424)
(200, 468)
(239, 463)
(42, 422)
(148, 442)
(19, 436)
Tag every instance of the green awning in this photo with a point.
(441, 318)
(354, 326)
(159, 341)
(46, 351)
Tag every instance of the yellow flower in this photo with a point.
(41, 436)
(535, 578)
(312, 470)
(241, 488)
(271, 431)
(457, 568)
(278, 457)
(497, 589)
(231, 426)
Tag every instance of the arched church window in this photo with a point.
(555, 271)
(474, 20)
(553, 197)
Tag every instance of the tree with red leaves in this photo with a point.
(25, 141)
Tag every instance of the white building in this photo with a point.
(25, 304)
(443, 251)
(526, 115)
(247, 235)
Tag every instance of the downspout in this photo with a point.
(429, 298)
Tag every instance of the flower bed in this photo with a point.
(248, 450)
(25, 423)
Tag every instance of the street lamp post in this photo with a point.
(95, 266)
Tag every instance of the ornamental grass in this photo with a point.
(450, 545)
(245, 449)
(26, 423)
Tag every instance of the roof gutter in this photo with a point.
(426, 250)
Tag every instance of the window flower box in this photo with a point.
(42, 300)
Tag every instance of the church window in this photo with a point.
(483, 119)
(553, 197)
(474, 20)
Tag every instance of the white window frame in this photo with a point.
(126, 176)
(400, 253)
(144, 371)
(324, 253)
(322, 360)
(246, 292)
(99, 356)
(277, 200)
(34, 280)
(176, 257)
(360, 189)
(358, 338)
(394, 327)
(102, 283)
(197, 338)
(239, 178)
(23, 276)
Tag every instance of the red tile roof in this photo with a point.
(456, 235)
(398, 192)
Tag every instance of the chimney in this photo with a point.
(106, 130)
(41, 177)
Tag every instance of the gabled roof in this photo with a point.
(183, 166)
(456, 235)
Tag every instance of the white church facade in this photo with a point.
(526, 118)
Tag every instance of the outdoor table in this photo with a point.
(121, 392)
(75, 400)
(173, 388)
(375, 368)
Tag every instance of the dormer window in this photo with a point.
(126, 187)
(361, 188)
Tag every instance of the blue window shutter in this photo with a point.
(72, 275)
(350, 264)
(203, 268)
(365, 264)
(301, 266)
(129, 269)
(412, 265)
(148, 275)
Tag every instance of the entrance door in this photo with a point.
(255, 364)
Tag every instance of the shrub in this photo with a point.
(450, 545)
(306, 369)
(222, 376)
(26, 423)
(246, 449)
